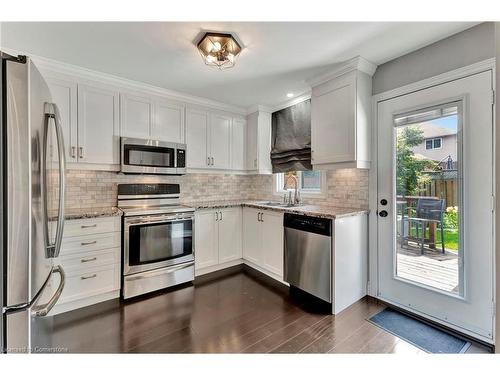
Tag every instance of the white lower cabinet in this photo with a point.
(90, 256)
(217, 237)
(263, 240)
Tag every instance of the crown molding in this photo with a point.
(259, 108)
(46, 64)
(357, 63)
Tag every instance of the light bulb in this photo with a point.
(210, 58)
(230, 57)
(216, 47)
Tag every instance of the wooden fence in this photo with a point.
(444, 189)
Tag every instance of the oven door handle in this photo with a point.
(169, 219)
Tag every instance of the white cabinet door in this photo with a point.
(136, 116)
(238, 147)
(98, 126)
(333, 121)
(64, 94)
(230, 245)
(169, 122)
(251, 142)
(220, 133)
(252, 236)
(206, 241)
(272, 242)
(196, 138)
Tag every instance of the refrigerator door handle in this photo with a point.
(52, 112)
(44, 309)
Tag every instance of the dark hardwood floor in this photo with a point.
(237, 313)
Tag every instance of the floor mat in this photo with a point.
(420, 334)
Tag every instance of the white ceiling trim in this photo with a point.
(64, 68)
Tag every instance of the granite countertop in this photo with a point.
(87, 213)
(323, 211)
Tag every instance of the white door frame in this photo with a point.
(463, 72)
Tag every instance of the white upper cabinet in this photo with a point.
(238, 146)
(136, 116)
(340, 117)
(197, 128)
(219, 141)
(98, 125)
(258, 143)
(64, 95)
(169, 123)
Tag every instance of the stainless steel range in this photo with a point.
(158, 238)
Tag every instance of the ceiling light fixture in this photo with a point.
(219, 50)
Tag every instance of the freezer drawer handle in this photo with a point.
(85, 260)
(88, 226)
(44, 309)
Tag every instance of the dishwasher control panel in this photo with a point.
(310, 224)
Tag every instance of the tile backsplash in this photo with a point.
(88, 189)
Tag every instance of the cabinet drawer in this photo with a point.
(89, 226)
(89, 259)
(90, 283)
(90, 243)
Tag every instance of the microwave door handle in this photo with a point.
(53, 249)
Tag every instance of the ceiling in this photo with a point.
(276, 60)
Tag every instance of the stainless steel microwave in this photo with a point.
(147, 156)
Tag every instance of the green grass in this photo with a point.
(450, 237)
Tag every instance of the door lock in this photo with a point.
(383, 202)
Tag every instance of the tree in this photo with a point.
(409, 168)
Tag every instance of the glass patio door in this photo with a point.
(435, 189)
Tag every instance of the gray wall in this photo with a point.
(462, 49)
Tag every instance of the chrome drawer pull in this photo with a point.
(89, 226)
(85, 260)
(88, 277)
(88, 243)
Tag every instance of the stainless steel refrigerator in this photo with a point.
(32, 190)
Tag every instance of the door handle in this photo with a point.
(262, 217)
(220, 215)
(88, 226)
(85, 260)
(52, 249)
(88, 277)
(216, 216)
(383, 213)
(73, 152)
(80, 152)
(44, 309)
(208, 160)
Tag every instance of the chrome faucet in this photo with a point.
(296, 196)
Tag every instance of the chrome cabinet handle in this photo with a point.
(259, 216)
(53, 249)
(208, 160)
(88, 243)
(88, 277)
(73, 152)
(262, 217)
(212, 161)
(44, 309)
(80, 152)
(220, 215)
(85, 260)
(88, 226)
(216, 216)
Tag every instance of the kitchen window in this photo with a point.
(309, 182)
(434, 143)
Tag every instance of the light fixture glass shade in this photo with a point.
(219, 50)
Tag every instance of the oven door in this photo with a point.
(157, 241)
(148, 156)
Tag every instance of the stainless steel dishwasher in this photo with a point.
(308, 254)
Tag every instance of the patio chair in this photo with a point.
(428, 211)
